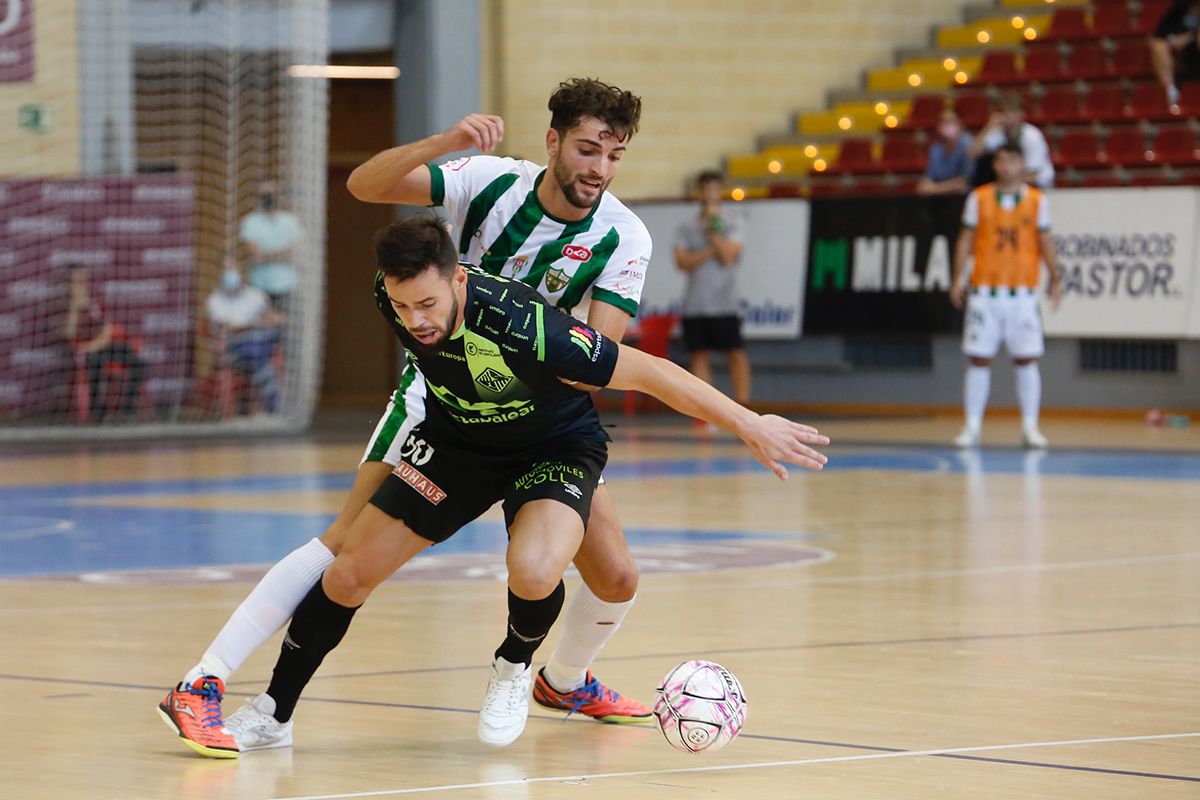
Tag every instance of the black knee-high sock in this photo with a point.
(317, 626)
(528, 623)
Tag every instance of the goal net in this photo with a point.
(162, 206)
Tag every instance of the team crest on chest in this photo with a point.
(556, 279)
(492, 380)
(518, 265)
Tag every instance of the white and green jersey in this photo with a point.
(503, 229)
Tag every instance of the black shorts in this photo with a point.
(436, 489)
(713, 333)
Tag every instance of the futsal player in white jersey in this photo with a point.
(556, 229)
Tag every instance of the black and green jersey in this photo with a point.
(496, 382)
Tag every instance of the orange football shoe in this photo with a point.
(194, 712)
(593, 699)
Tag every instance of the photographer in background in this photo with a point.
(708, 248)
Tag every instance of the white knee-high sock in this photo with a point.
(976, 386)
(264, 611)
(588, 624)
(1029, 393)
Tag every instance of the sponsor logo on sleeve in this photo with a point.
(587, 341)
(457, 164)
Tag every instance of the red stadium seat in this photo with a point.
(1080, 149)
(973, 109)
(1113, 20)
(901, 155)
(1149, 101)
(1059, 105)
(1068, 24)
(1147, 19)
(926, 108)
(1189, 99)
(998, 67)
(1126, 147)
(1105, 102)
(1043, 63)
(1088, 61)
(856, 155)
(1131, 59)
(1176, 146)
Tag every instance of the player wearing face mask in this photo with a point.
(950, 163)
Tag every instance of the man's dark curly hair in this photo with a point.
(577, 98)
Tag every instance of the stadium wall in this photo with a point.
(39, 89)
(865, 282)
(704, 95)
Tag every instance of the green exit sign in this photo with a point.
(34, 117)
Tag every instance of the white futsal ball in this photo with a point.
(701, 707)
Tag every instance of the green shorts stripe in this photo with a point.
(387, 433)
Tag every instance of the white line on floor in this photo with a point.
(726, 767)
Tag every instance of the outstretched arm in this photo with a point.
(398, 175)
(774, 440)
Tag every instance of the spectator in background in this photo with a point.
(250, 328)
(271, 236)
(950, 164)
(708, 248)
(100, 343)
(1175, 47)
(1007, 125)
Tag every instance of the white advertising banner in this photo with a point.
(770, 277)
(1128, 258)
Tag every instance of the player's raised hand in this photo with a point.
(776, 441)
(484, 132)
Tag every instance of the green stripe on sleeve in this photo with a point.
(630, 307)
(437, 185)
(538, 311)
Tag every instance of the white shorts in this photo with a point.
(1003, 316)
(405, 411)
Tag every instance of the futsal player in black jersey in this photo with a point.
(508, 423)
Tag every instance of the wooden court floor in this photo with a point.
(910, 623)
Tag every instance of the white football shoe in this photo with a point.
(1033, 439)
(254, 728)
(506, 705)
(967, 438)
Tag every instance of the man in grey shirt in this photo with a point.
(708, 248)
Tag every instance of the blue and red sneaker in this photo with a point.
(194, 712)
(593, 699)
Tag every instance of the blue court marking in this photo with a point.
(53, 528)
(96, 539)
